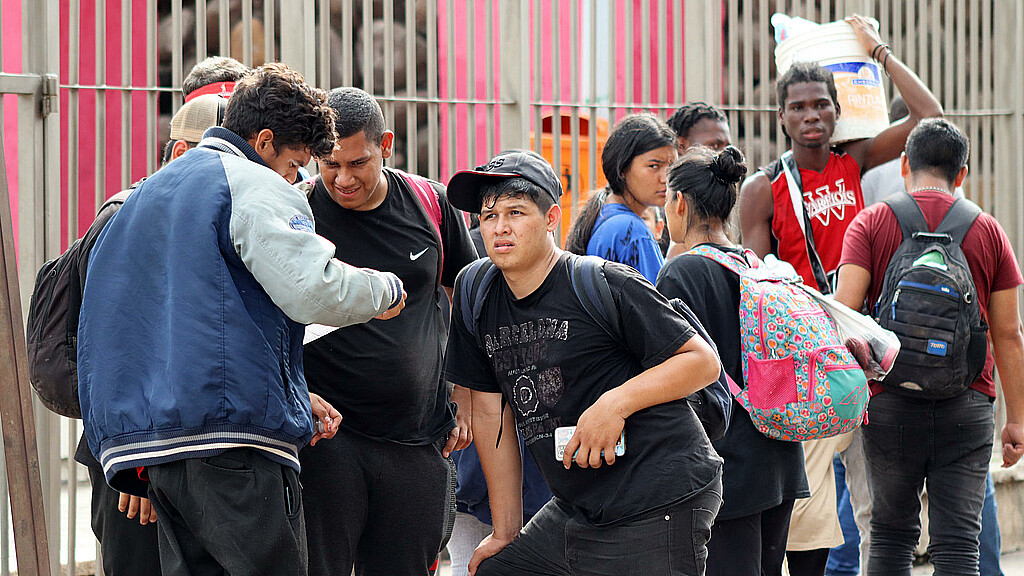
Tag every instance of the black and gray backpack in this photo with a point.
(929, 300)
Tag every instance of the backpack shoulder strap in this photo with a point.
(959, 219)
(907, 213)
(473, 283)
(430, 200)
(589, 283)
(796, 197)
(733, 262)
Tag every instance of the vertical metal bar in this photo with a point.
(176, 52)
(766, 120)
(911, 45)
(556, 90)
(367, 31)
(574, 91)
(201, 45)
(223, 28)
(74, 67)
(411, 122)
(733, 82)
(151, 95)
(126, 80)
(490, 109)
(1018, 120)
(662, 17)
(347, 35)
(100, 163)
(247, 32)
(592, 125)
(645, 52)
(389, 68)
(270, 32)
(307, 43)
(471, 95)
(72, 487)
(538, 78)
(433, 108)
(629, 57)
(987, 154)
(935, 49)
(452, 91)
(749, 117)
(974, 88)
(678, 34)
(613, 62)
(948, 86)
(324, 54)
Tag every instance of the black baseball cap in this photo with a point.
(464, 187)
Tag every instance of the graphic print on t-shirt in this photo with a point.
(827, 201)
(515, 352)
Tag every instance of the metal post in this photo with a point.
(293, 40)
(515, 73)
(23, 480)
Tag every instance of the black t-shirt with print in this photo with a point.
(552, 362)
(759, 472)
(384, 376)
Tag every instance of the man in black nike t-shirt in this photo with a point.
(380, 497)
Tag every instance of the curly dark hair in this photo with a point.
(687, 116)
(805, 72)
(277, 98)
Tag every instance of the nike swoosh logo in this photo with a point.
(416, 256)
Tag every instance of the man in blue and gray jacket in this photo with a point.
(190, 339)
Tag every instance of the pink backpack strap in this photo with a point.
(430, 200)
(733, 262)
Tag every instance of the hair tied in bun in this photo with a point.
(728, 166)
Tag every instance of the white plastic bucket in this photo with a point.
(858, 78)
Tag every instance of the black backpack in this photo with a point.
(52, 331)
(712, 404)
(928, 299)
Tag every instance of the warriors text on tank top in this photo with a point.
(831, 197)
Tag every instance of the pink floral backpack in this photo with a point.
(802, 382)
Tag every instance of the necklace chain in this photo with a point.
(929, 188)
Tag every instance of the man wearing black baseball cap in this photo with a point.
(636, 481)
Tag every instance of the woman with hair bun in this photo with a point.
(762, 477)
(635, 160)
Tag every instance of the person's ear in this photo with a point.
(959, 180)
(387, 144)
(904, 165)
(178, 148)
(553, 217)
(263, 139)
(839, 110)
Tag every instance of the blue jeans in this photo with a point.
(991, 541)
(844, 560)
(946, 443)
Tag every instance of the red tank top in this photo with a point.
(831, 197)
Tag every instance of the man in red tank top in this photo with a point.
(773, 220)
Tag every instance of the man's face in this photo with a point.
(285, 161)
(353, 173)
(516, 233)
(706, 132)
(808, 114)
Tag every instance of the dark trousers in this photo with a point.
(946, 444)
(807, 562)
(235, 514)
(762, 538)
(381, 507)
(560, 541)
(127, 547)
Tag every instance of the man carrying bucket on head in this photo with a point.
(815, 188)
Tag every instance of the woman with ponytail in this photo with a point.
(761, 477)
(635, 161)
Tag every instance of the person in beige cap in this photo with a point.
(192, 119)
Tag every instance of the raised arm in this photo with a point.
(503, 469)
(756, 212)
(920, 101)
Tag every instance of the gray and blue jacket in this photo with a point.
(193, 313)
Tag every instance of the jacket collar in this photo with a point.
(220, 138)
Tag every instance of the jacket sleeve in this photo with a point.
(271, 228)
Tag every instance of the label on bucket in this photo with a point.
(862, 98)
